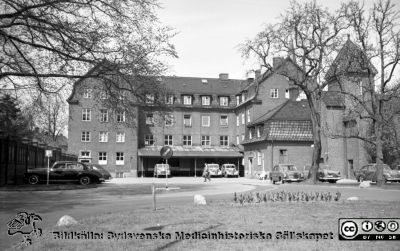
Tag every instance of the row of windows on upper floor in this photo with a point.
(169, 119)
(224, 101)
(187, 140)
(102, 157)
(103, 136)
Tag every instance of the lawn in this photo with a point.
(226, 217)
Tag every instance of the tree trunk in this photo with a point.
(379, 154)
(317, 149)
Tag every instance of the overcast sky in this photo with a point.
(209, 32)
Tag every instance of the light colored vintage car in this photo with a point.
(286, 173)
(229, 170)
(162, 170)
(326, 174)
(215, 170)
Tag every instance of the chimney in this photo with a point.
(277, 61)
(223, 76)
(257, 73)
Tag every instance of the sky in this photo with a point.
(209, 32)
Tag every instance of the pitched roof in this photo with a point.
(350, 59)
(191, 85)
(289, 110)
(290, 130)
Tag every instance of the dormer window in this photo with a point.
(187, 100)
(149, 98)
(205, 100)
(88, 93)
(223, 101)
(169, 99)
(237, 99)
(250, 133)
(258, 132)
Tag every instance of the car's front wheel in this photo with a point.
(33, 179)
(84, 180)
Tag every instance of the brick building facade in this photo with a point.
(254, 123)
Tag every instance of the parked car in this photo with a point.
(368, 172)
(263, 175)
(162, 170)
(285, 173)
(325, 173)
(65, 171)
(215, 170)
(230, 170)
(106, 174)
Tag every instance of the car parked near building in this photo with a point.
(229, 170)
(215, 170)
(285, 173)
(325, 173)
(106, 174)
(65, 171)
(162, 170)
(369, 172)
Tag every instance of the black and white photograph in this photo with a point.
(197, 125)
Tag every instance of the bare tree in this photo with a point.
(309, 34)
(378, 33)
(46, 44)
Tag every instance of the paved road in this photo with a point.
(51, 205)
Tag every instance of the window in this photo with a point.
(259, 158)
(102, 158)
(119, 158)
(237, 100)
(149, 98)
(242, 136)
(149, 119)
(223, 140)
(274, 93)
(237, 140)
(243, 119)
(205, 120)
(258, 132)
(103, 95)
(248, 116)
(85, 136)
(223, 101)
(205, 100)
(205, 140)
(187, 120)
(169, 99)
(360, 87)
(86, 114)
(87, 93)
(283, 156)
(250, 133)
(121, 116)
(168, 140)
(149, 140)
(243, 97)
(187, 140)
(120, 137)
(103, 115)
(287, 94)
(103, 137)
(237, 120)
(223, 121)
(85, 154)
(187, 99)
(169, 119)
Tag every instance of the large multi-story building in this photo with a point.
(254, 123)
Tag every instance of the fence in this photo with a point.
(17, 157)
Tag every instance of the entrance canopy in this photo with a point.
(192, 151)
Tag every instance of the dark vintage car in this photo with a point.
(368, 172)
(230, 170)
(286, 173)
(65, 171)
(325, 173)
(106, 174)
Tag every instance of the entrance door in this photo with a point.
(250, 166)
(351, 168)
